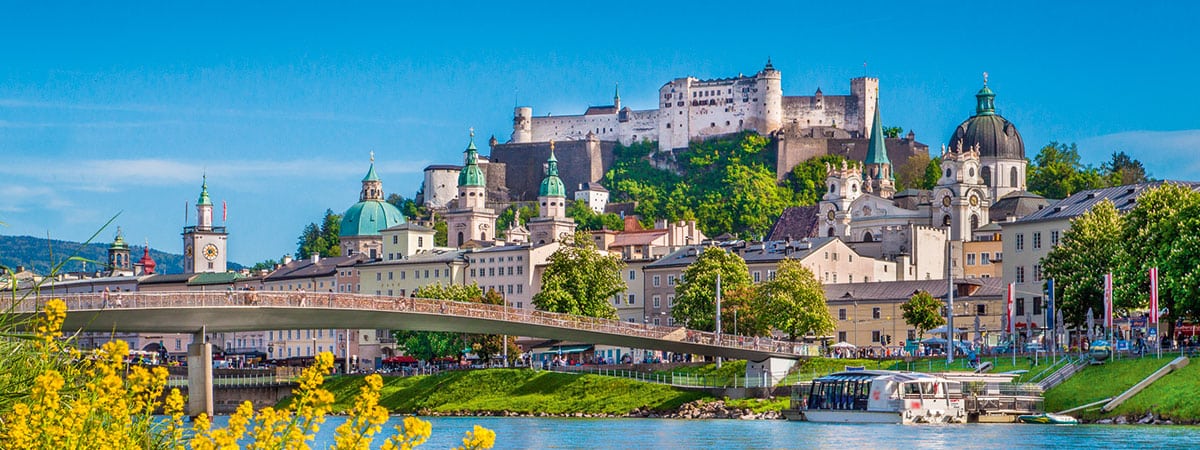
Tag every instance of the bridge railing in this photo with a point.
(295, 299)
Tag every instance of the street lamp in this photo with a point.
(950, 337)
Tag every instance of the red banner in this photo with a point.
(1108, 305)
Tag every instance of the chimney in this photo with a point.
(316, 257)
(287, 259)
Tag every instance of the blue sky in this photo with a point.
(107, 110)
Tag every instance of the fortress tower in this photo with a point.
(864, 93)
(769, 82)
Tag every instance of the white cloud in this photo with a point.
(1166, 154)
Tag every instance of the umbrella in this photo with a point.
(843, 344)
(942, 330)
(1061, 327)
(934, 341)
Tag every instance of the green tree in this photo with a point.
(892, 132)
(923, 312)
(1057, 172)
(1123, 170)
(695, 295)
(796, 301)
(1087, 250)
(440, 238)
(430, 345)
(589, 220)
(933, 172)
(321, 239)
(911, 174)
(407, 206)
(491, 346)
(1162, 230)
(807, 179)
(581, 280)
(745, 313)
(264, 265)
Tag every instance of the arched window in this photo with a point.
(460, 238)
(971, 172)
(974, 222)
(946, 220)
(832, 188)
(947, 173)
(986, 173)
(1012, 177)
(867, 237)
(483, 236)
(830, 232)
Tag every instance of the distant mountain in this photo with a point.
(40, 255)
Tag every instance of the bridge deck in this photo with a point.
(193, 311)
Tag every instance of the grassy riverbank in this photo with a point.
(515, 390)
(1174, 397)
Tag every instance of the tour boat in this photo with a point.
(880, 396)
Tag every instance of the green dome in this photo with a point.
(203, 200)
(471, 174)
(366, 218)
(552, 186)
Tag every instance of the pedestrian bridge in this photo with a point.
(200, 312)
(213, 312)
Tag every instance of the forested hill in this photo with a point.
(40, 255)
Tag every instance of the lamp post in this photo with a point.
(950, 337)
(717, 332)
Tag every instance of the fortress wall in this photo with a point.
(806, 112)
(578, 162)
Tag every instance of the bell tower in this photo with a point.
(552, 223)
(471, 219)
(844, 186)
(960, 199)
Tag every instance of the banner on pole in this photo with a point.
(1154, 295)
(1108, 305)
(1008, 308)
(1050, 304)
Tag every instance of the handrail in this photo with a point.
(293, 299)
(672, 379)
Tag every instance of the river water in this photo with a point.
(624, 434)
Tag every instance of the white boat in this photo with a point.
(880, 396)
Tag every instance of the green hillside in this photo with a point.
(40, 255)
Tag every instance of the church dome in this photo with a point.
(367, 217)
(995, 135)
(471, 174)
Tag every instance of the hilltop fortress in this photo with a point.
(689, 110)
(692, 109)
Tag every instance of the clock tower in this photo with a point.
(552, 224)
(204, 244)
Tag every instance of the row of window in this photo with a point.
(1036, 240)
(1020, 273)
(985, 258)
(417, 274)
(491, 271)
(658, 301)
(308, 334)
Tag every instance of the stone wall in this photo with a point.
(524, 165)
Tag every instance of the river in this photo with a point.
(625, 434)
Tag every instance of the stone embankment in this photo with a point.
(1148, 419)
(699, 409)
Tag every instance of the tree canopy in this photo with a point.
(427, 345)
(695, 295)
(321, 239)
(1162, 230)
(588, 220)
(923, 312)
(1086, 252)
(796, 301)
(1057, 171)
(581, 280)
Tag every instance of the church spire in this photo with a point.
(552, 186)
(617, 97)
(372, 186)
(204, 193)
(471, 174)
(877, 148)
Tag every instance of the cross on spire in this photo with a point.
(985, 76)
(472, 130)
(372, 156)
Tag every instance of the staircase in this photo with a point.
(1072, 366)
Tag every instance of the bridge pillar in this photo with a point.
(768, 372)
(200, 377)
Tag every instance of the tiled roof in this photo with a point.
(903, 290)
(797, 222)
(1123, 197)
(1017, 204)
(757, 252)
(305, 268)
(637, 237)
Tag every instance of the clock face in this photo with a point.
(211, 252)
(830, 215)
(974, 200)
(946, 201)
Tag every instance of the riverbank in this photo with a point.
(1173, 399)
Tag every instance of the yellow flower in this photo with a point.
(365, 419)
(479, 439)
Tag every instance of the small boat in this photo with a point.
(1047, 418)
(879, 396)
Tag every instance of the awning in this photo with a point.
(569, 349)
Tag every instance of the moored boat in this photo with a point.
(880, 396)
(1047, 418)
